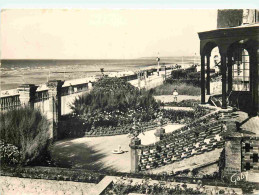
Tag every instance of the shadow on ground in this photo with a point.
(78, 155)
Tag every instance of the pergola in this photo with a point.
(231, 42)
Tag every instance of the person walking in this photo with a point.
(175, 94)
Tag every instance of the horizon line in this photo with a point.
(100, 58)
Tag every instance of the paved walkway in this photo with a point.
(95, 153)
(170, 98)
(148, 137)
(178, 108)
(15, 185)
(248, 124)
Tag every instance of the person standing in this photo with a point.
(175, 94)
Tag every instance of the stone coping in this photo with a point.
(108, 180)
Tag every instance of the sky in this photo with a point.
(100, 32)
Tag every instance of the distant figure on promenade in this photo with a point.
(175, 94)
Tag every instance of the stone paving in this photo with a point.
(96, 152)
(24, 186)
(170, 98)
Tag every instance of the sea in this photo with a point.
(17, 72)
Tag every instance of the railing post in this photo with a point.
(159, 134)
(202, 79)
(134, 148)
(54, 106)
(27, 94)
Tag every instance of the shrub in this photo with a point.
(71, 126)
(185, 117)
(179, 74)
(182, 88)
(27, 129)
(115, 102)
(9, 154)
(189, 81)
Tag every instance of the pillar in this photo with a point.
(139, 80)
(232, 156)
(254, 71)
(145, 77)
(165, 72)
(134, 150)
(229, 65)
(208, 74)
(223, 72)
(27, 94)
(159, 134)
(54, 112)
(70, 89)
(202, 79)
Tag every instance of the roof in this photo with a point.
(243, 30)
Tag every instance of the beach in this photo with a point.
(17, 72)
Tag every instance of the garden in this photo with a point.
(24, 136)
(186, 81)
(126, 185)
(114, 105)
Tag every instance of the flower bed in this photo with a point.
(9, 153)
(53, 173)
(110, 131)
(149, 186)
(184, 103)
(185, 117)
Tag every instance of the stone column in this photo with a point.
(232, 156)
(165, 72)
(208, 74)
(229, 73)
(159, 134)
(134, 157)
(54, 113)
(139, 80)
(70, 89)
(202, 79)
(224, 81)
(27, 94)
(254, 70)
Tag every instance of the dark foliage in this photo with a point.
(27, 129)
(114, 102)
(185, 117)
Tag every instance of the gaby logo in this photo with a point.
(236, 177)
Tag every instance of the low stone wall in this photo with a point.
(119, 130)
(250, 154)
(190, 140)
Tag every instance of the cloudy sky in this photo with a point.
(102, 33)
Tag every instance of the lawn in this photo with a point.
(182, 89)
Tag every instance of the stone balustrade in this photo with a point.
(194, 139)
